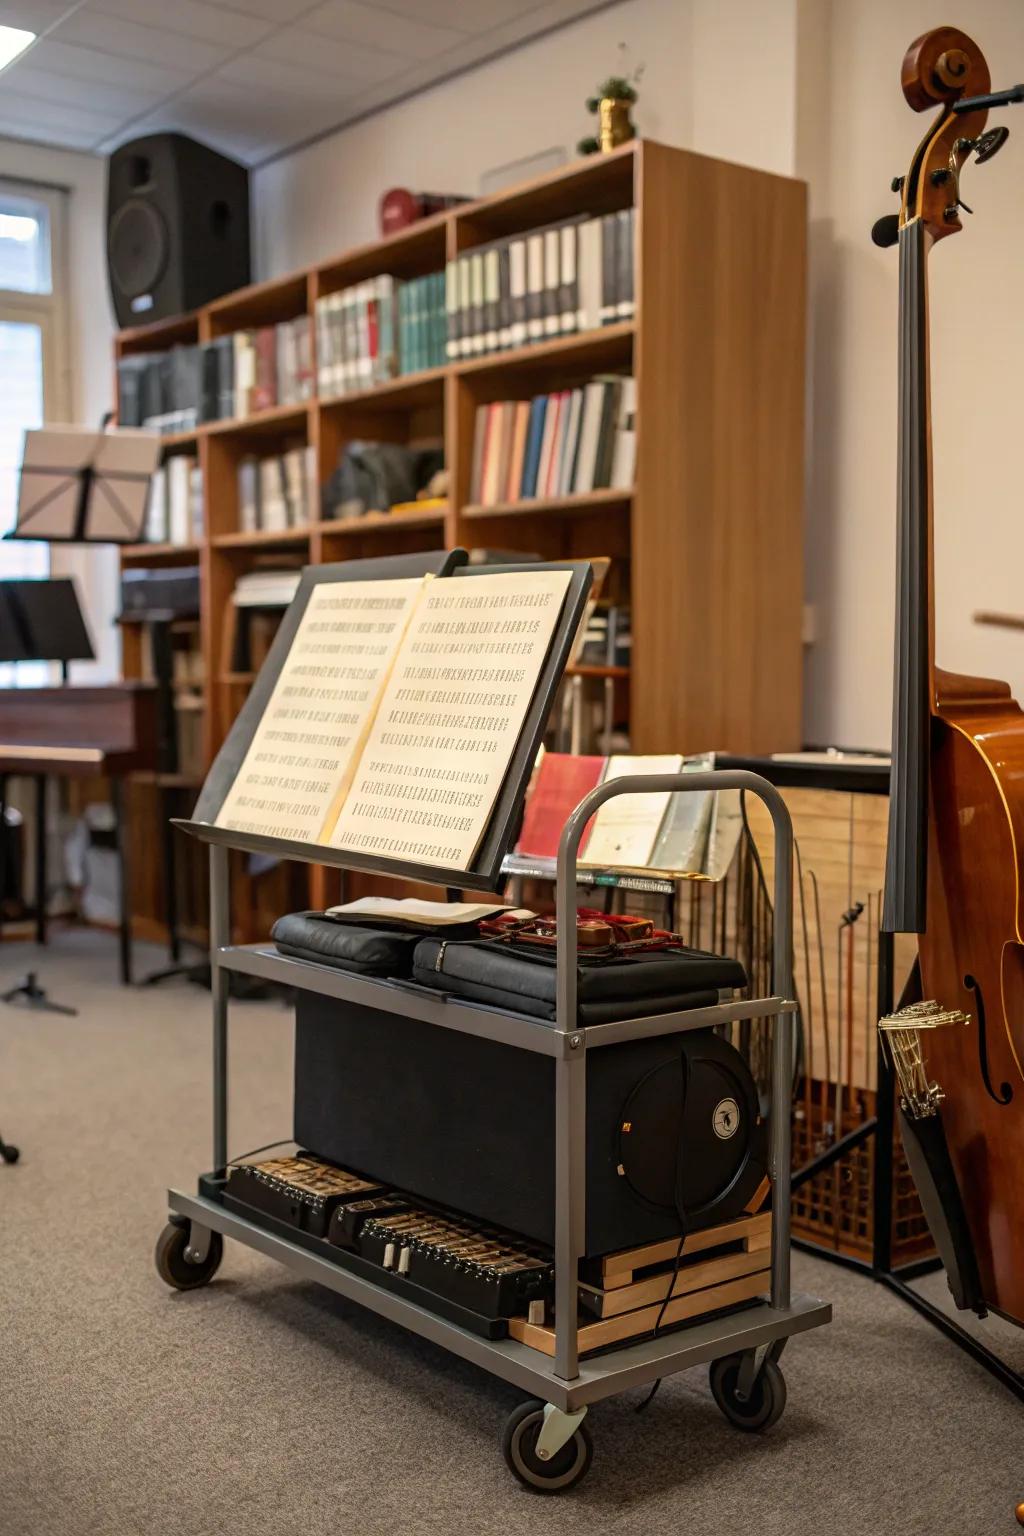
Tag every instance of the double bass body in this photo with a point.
(972, 957)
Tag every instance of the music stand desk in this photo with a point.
(565, 1383)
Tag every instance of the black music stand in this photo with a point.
(40, 620)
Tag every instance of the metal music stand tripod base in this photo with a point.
(35, 997)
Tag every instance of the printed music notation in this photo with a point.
(451, 714)
(299, 764)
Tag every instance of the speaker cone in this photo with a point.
(137, 247)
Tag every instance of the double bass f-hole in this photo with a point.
(1005, 1093)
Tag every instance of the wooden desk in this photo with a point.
(78, 732)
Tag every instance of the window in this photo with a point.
(32, 386)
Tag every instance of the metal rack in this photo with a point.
(546, 1443)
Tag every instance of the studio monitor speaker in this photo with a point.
(177, 227)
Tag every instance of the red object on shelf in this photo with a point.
(399, 208)
(561, 783)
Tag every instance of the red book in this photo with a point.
(264, 390)
(561, 783)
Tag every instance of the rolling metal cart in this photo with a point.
(546, 1440)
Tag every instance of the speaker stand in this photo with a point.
(35, 997)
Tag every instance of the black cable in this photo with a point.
(268, 1148)
(677, 1200)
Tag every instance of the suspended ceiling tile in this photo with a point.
(33, 15)
(128, 40)
(477, 16)
(90, 64)
(195, 19)
(14, 126)
(47, 85)
(346, 62)
(378, 27)
(279, 11)
(33, 113)
(287, 81)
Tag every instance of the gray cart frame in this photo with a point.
(567, 1384)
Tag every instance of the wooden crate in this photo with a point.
(720, 1267)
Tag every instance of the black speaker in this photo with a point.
(177, 227)
(671, 1123)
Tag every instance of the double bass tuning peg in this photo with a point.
(886, 230)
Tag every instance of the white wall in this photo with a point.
(977, 333)
(805, 87)
(89, 360)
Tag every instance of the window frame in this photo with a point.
(48, 311)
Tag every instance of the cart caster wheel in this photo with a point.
(565, 1468)
(765, 1403)
(10, 1154)
(175, 1269)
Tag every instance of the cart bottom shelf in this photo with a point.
(631, 1365)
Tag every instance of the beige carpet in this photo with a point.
(264, 1406)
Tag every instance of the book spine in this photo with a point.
(477, 321)
(465, 306)
(386, 327)
(517, 292)
(451, 309)
(609, 269)
(492, 300)
(552, 282)
(624, 265)
(504, 298)
(568, 297)
(534, 287)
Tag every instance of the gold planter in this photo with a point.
(616, 126)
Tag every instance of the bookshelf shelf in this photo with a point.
(604, 500)
(160, 554)
(705, 548)
(170, 441)
(262, 538)
(277, 419)
(378, 522)
(407, 392)
(605, 348)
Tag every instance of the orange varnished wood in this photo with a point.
(972, 949)
(976, 838)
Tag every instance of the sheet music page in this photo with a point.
(299, 763)
(452, 712)
(625, 829)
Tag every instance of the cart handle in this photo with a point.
(659, 783)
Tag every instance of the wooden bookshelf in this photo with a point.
(709, 540)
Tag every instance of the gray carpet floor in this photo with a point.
(265, 1406)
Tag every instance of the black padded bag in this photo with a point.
(368, 951)
(524, 979)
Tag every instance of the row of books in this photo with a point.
(673, 834)
(574, 276)
(563, 444)
(278, 492)
(378, 330)
(229, 377)
(174, 508)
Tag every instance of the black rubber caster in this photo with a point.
(8, 1153)
(175, 1269)
(565, 1469)
(767, 1397)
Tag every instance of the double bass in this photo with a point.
(955, 859)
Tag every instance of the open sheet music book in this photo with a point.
(396, 713)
